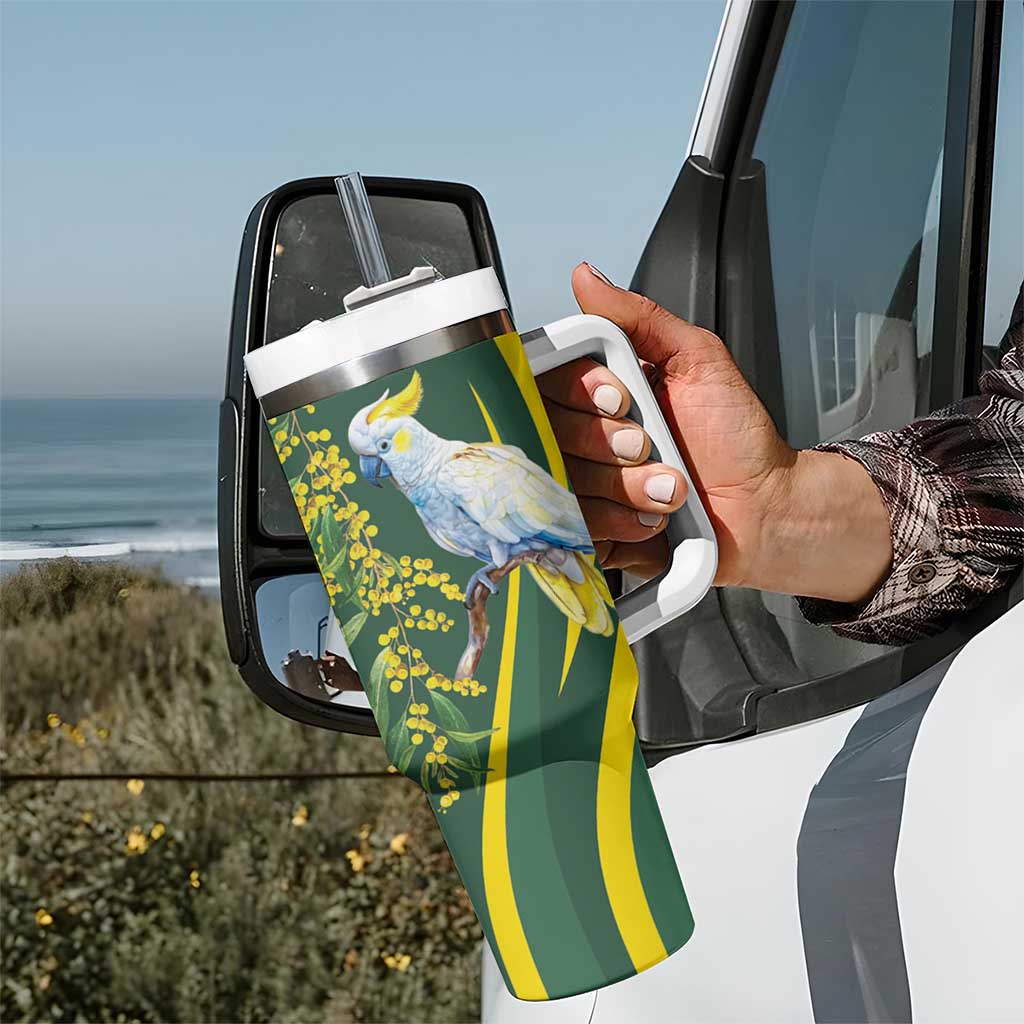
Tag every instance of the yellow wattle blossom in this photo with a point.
(193, 879)
(43, 918)
(356, 572)
(399, 842)
(157, 831)
(137, 841)
(356, 860)
(397, 961)
(301, 816)
(135, 786)
(53, 720)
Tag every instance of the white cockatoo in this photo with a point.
(486, 501)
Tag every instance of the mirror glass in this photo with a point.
(301, 641)
(313, 269)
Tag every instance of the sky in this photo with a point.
(136, 137)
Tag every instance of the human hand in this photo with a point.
(807, 522)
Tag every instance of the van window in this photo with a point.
(851, 139)
(831, 238)
(1006, 223)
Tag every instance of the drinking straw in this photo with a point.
(369, 250)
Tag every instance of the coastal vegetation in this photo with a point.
(141, 899)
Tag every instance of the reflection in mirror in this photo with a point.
(302, 642)
(313, 269)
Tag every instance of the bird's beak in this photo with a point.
(373, 468)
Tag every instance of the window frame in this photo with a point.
(959, 304)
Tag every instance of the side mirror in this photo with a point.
(296, 265)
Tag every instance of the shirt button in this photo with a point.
(922, 573)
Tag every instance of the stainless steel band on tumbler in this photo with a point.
(370, 367)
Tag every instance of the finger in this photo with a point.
(608, 520)
(619, 442)
(645, 558)
(586, 386)
(652, 487)
(657, 335)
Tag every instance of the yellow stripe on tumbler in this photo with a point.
(572, 638)
(511, 349)
(515, 952)
(614, 829)
(491, 428)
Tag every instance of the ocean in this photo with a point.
(133, 479)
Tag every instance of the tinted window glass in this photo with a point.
(312, 271)
(851, 140)
(1006, 221)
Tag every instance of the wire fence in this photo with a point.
(9, 778)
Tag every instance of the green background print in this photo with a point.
(532, 767)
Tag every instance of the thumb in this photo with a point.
(657, 335)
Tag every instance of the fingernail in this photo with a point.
(660, 488)
(597, 273)
(628, 444)
(651, 519)
(607, 399)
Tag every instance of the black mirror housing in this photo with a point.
(296, 266)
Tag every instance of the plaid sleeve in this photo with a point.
(953, 483)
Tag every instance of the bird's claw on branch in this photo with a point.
(480, 576)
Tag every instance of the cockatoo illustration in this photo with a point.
(487, 501)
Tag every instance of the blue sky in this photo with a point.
(137, 136)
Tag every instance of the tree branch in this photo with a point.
(476, 611)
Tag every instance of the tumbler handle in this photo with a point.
(694, 556)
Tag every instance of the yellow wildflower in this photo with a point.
(137, 840)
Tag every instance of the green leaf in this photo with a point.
(393, 562)
(398, 739)
(470, 737)
(447, 713)
(352, 627)
(336, 562)
(404, 758)
(425, 775)
(348, 579)
(377, 692)
(335, 539)
(457, 762)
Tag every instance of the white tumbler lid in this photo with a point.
(377, 325)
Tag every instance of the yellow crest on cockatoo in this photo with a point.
(405, 403)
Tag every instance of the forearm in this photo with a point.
(827, 534)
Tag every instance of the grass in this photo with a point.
(310, 901)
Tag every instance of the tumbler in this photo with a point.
(495, 660)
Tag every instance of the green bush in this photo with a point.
(328, 901)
